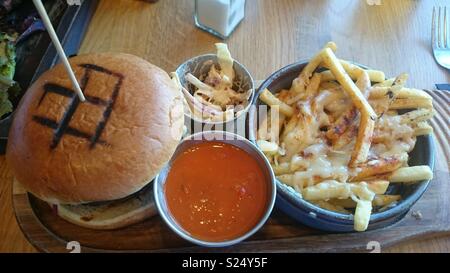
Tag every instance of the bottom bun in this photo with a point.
(111, 214)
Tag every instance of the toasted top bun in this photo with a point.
(69, 152)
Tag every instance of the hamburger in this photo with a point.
(92, 160)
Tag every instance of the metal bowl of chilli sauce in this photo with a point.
(217, 190)
(290, 202)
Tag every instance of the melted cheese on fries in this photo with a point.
(337, 140)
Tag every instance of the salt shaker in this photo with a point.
(219, 17)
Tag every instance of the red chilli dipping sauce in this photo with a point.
(216, 191)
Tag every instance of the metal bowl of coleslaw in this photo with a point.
(243, 82)
(290, 201)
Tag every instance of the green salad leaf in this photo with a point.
(5, 104)
(8, 87)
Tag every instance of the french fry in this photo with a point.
(300, 83)
(361, 191)
(391, 112)
(271, 124)
(286, 179)
(284, 96)
(330, 189)
(397, 85)
(346, 137)
(263, 131)
(411, 174)
(362, 215)
(298, 88)
(367, 190)
(332, 46)
(400, 81)
(268, 147)
(345, 203)
(379, 166)
(327, 76)
(289, 127)
(381, 137)
(363, 140)
(328, 85)
(422, 128)
(385, 83)
(300, 181)
(378, 186)
(346, 119)
(348, 85)
(296, 163)
(293, 181)
(326, 190)
(342, 123)
(411, 103)
(269, 99)
(328, 206)
(311, 89)
(282, 168)
(321, 102)
(404, 98)
(295, 133)
(374, 75)
(313, 86)
(363, 83)
(354, 72)
(405, 93)
(352, 69)
(378, 92)
(417, 116)
(368, 115)
(380, 200)
(381, 106)
(293, 99)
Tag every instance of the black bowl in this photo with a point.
(290, 202)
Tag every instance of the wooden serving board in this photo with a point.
(49, 233)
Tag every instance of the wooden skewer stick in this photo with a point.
(51, 31)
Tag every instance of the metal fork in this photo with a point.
(440, 41)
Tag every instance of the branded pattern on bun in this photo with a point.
(107, 148)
